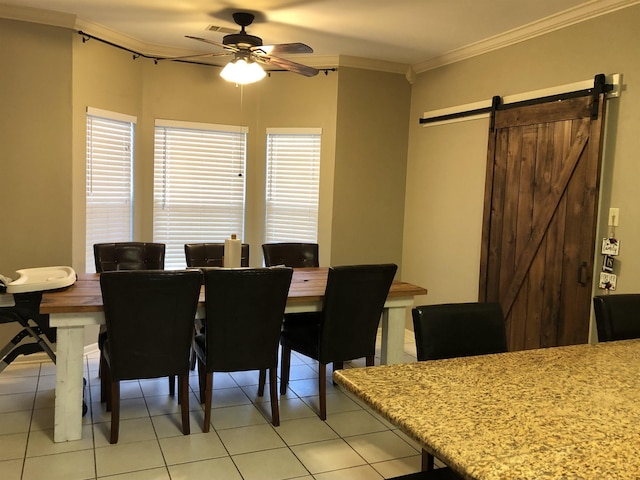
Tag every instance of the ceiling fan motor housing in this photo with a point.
(242, 40)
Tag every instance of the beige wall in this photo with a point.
(35, 146)
(371, 150)
(445, 171)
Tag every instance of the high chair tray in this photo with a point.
(42, 278)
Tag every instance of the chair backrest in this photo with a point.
(149, 316)
(244, 312)
(617, 316)
(211, 254)
(352, 307)
(128, 256)
(295, 255)
(459, 330)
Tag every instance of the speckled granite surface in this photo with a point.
(567, 413)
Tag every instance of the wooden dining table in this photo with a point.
(73, 308)
(561, 413)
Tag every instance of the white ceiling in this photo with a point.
(414, 32)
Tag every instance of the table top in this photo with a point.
(307, 285)
(557, 413)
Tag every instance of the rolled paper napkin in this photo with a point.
(232, 252)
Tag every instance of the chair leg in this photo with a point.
(183, 394)
(106, 378)
(322, 384)
(201, 379)
(427, 461)
(192, 360)
(370, 361)
(275, 411)
(172, 385)
(115, 411)
(285, 365)
(104, 386)
(207, 401)
(262, 379)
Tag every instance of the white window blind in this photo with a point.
(199, 185)
(293, 185)
(109, 179)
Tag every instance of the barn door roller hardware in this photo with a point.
(600, 86)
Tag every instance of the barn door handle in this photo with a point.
(582, 274)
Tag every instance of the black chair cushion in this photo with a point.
(128, 256)
(295, 255)
(458, 330)
(348, 324)
(149, 316)
(244, 311)
(617, 316)
(211, 254)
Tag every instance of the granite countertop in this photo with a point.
(556, 413)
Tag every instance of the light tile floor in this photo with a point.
(354, 443)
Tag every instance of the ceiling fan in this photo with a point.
(249, 49)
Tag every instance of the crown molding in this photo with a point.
(549, 24)
(37, 15)
(371, 64)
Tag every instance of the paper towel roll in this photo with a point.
(232, 252)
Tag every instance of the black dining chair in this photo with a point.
(149, 316)
(347, 326)
(211, 254)
(244, 310)
(457, 330)
(617, 316)
(444, 473)
(115, 256)
(200, 255)
(128, 256)
(295, 255)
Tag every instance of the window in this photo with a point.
(199, 185)
(293, 184)
(109, 179)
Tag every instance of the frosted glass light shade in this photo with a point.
(242, 72)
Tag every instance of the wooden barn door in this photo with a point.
(540, 218)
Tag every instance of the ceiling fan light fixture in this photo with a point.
(242, 72)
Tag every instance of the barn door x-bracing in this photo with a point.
(540, 214)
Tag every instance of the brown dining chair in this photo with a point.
(457, 330)
(149, 316)
(295, 255)
(617, 316)
(244, 310)
(347, 326)
(211, 254)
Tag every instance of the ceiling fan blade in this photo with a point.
(211, 42)
(288, 65)
(285, 48)
(201, 55)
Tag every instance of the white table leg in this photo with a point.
(69, 387)
(393, 317)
